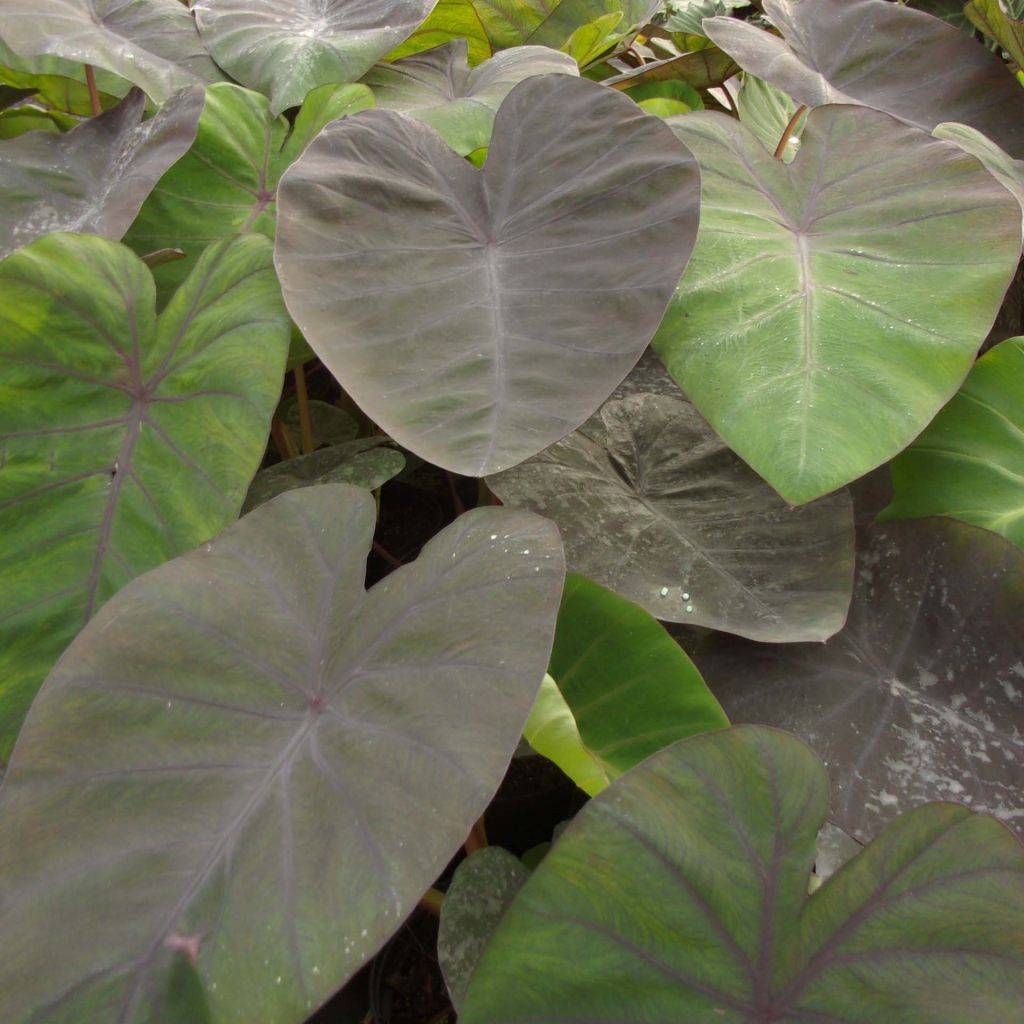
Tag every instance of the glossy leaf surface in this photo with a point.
(125, 439)
(969, 463)
(883, 55)
(449, 20)
(834, 304)
(262, 763)
(1007, 171)
(227, 182)
(680, 894)
(506, 303)
(151, 43)
(440, 89)
(286, 50)
(921, 697)
(95, 178)
(621, 682)
(652, 504)
(482, 887)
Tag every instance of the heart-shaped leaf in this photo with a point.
(680, 894)
(227, 182)
(368, 462)
(482, 887)
(478, 316)
(701, 69)
(125, 439)
(652, 504)
(619, 688)
(95, 178)
(439, 88)
(835, 304)
(152, 44)
(286, 50)
(969, 463)
(921, 696)
(883, 55)
(261, 763)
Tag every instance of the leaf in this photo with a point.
(666, 99)
(508, 302)
(286, 51)
(151, 43)
(990, 18)
(883, 55)
(59, 82)
(124, 439)
(440, 89)
(367, 462)
(834, 304)
(680, 894)
(652, 504)
(702, 69)
(921, 697)
(227, 182)
(259, 754)
(593, 40)
(553, 22)
(1007, 171)
(969, 462)
(449, 20)
(482, 887)
(27, 117)
(767, 111)
(95, 178)
(330, 424)
(688, 15)
(621, 682)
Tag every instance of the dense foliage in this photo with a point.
(713, 304)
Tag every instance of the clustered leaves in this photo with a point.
(703, 293)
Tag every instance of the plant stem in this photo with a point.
(305, 420)
(94, 96)
(477, 838)
(457, 505)
(283, 441)
(790, 128)
(432, 901)
(379, 549)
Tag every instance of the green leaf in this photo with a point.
(688, 15)
(990, 18)
(125, 439)
(619, 688)
(286, 50)
(263, 763)
(60, 83)
(151, 43)
(95, 178)
(330, 424)
(440, 89)
(680, 894)
(489, 285)
(969, 463)
(482, 887)
(227, 182)
(767, 111)
(27, 117)
(591, 41)
(367, 462)
(553, 22)
(884, 55)
(1007, 171)
(448, 21)
(835, 304)
(652, 504)
(667, 98)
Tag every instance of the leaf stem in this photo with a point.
(94, 96)
(432, 901)
(790, 128)
(477, 838)
(305, 420)
(282, 440)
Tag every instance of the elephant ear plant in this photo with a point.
(410, 410)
